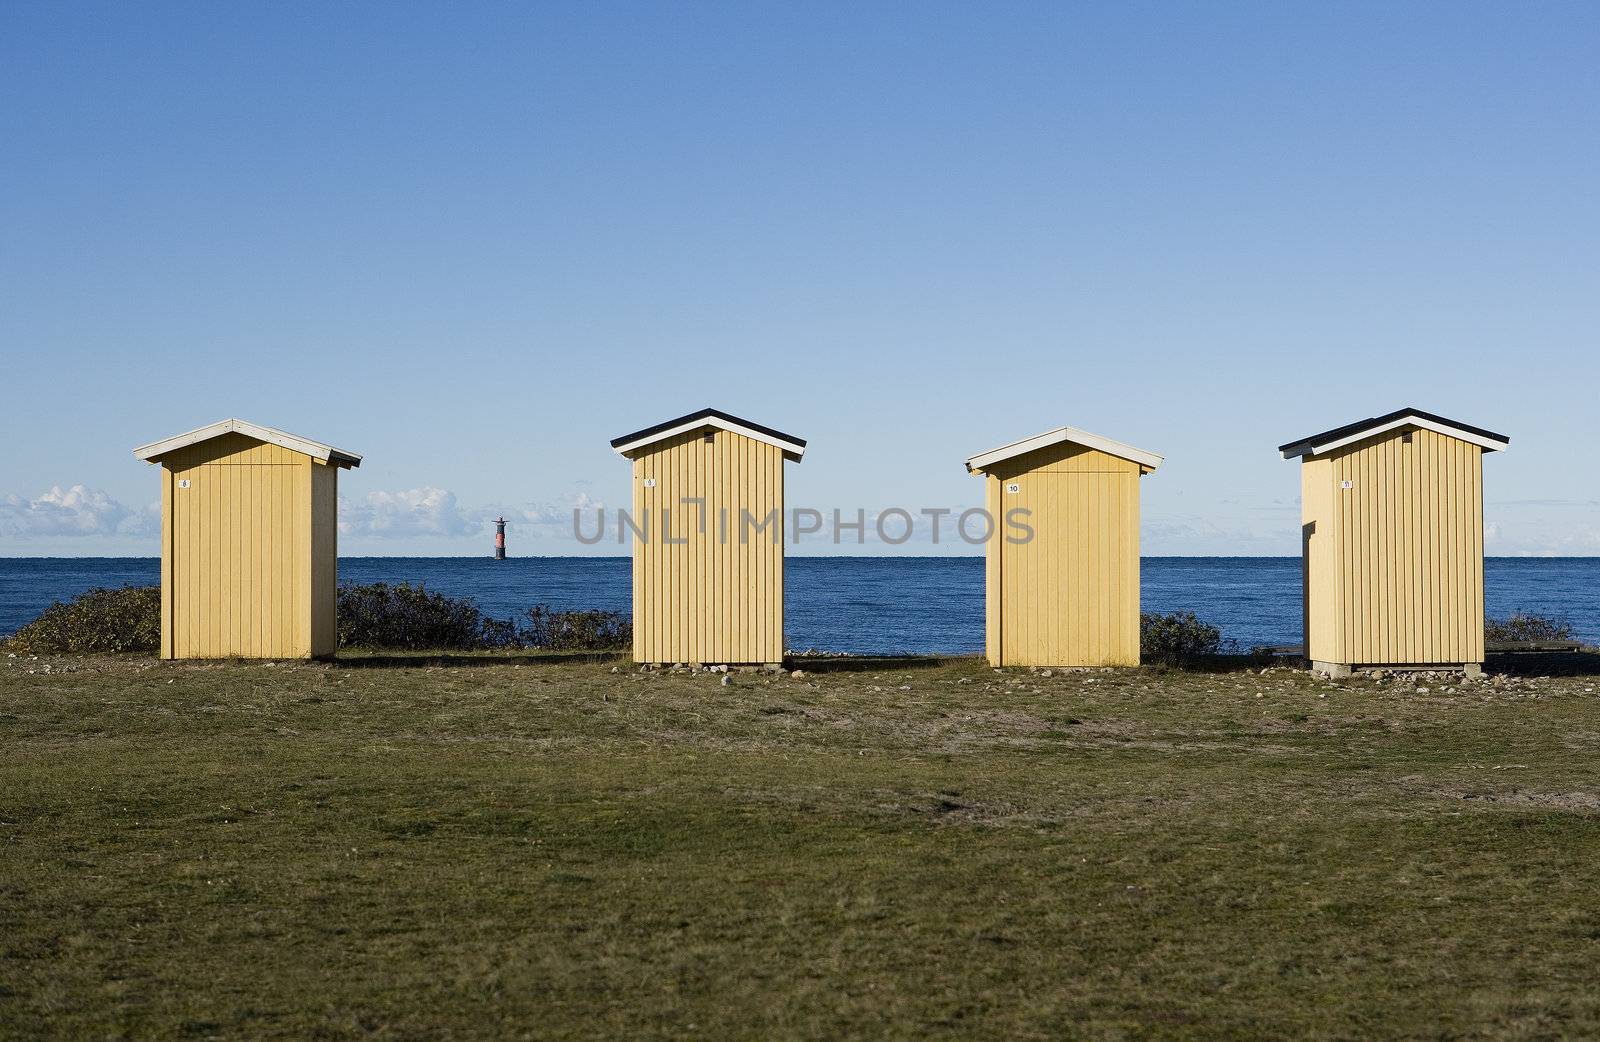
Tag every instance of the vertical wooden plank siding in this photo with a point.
(774, 628)
(706, 588)
(249, 551)
(636, 562)
(324, 558)
(300, 557)
(1394, 564)
(993, 575)
(1320, 580)
(167, 629)
(1129, 552)
(1069, 596)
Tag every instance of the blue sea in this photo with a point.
(868, 605)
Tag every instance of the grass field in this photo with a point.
(484, 848)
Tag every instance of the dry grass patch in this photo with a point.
(526, 846)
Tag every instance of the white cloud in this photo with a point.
(75, 511)
(59, 520)
(1545, 529)
(425, 511)
(546, 514)
(544, 521)
(435, 512)
(1526, 540)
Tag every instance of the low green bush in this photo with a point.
(1522, 625)
(409, 617)
(403, 616)
(1176, 639)
(576, 630)
(102, 620)
(374, 616)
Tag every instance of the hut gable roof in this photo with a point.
(984, 460)
(793, 448)
(1350, 433)
(315, 449)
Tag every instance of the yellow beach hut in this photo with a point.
(1392, 539)
(1061, 578)
(249, 542)
(707, 527)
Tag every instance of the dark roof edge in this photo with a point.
(1378, 421)
(705, 414)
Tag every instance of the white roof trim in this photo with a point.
(1307, 448)
(984, 460)
(315, 449)
(789, 447)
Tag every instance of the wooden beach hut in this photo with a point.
(708, 539)
(1061, 578)
(1392, 538)
(249, 542)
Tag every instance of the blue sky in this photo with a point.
(474, 242)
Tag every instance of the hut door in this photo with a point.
(1071, 591)
(232, 570)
